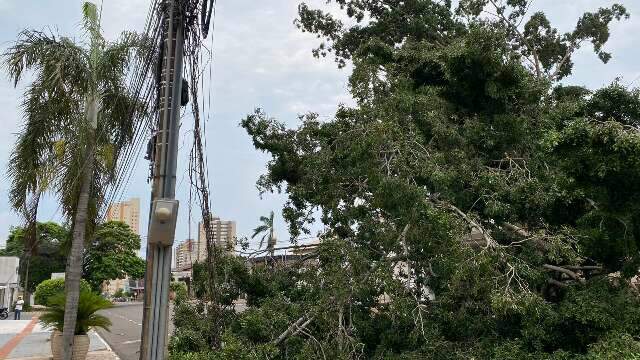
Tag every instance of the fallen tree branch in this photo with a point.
(582, 267)
(302, 327)
(556, 282)
(290, 329)
(516, 230)
(489, 241)
(567, 272)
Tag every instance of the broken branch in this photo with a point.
(567, 272)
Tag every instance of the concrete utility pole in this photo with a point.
(164, 207)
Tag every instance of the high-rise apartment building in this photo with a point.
(126, 211)
(186, 253)
(224, 236)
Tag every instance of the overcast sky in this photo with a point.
(261, 60)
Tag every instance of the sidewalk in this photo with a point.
(27, 339)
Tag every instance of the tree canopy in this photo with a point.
(474, 207)
(113, 254)
(47, 255)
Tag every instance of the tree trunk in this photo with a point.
(31, 241)
(74, 261)
(27, 293)
(74, 266)
(271, 244)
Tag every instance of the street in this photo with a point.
(124, 337)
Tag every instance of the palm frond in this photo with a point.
(260, 229)
(117, 56)
(89, 304)
(262, 240)
(53, 147)
(91, 21)
(60, 62)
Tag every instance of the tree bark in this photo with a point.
(74, 267)
(31, 241)
(27, 293)
(74, 261)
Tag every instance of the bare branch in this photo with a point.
(290, 329)
(490, 242)
(515, 229)
(567, 272)
(556, 282)
(583, 267)
(521, 36)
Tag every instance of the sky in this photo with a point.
(260, 60)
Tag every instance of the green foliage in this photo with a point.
(234, 349)
(51, 287)
(45, 256)
(197, 325)
(113, 254)
(230, 275)
(89, 304)
(472, 209)
(119, 293)
(180, 290)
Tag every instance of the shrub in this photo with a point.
(187, 340)
(51, 287)
(180, 290)
(89, 304)
(119, 293)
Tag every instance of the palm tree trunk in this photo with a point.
(271, 244)
(74, 267)
(74, 262)
(31, 242)
(27, 293)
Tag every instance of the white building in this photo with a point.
(9, 280)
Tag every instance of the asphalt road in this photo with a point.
(124, 337)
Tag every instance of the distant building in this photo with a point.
(186, 253)
(224, 236)
(136, 287)
(306, 249)
(111, 286)
(9, 280)
(126, 211)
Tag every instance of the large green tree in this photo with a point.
(473, 207)
(113, 254)
(77, 119)
(43, 257)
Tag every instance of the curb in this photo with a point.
(109, 349)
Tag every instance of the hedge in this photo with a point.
(51, 287)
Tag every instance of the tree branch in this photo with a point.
(297, 326)
(556, 282)
(521, 36)
(570, 51)
(567, 272)
(490, 242)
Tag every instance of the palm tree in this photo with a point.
(30, 214)
(76, 113)
(266, 228)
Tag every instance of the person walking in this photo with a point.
(18, 308)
